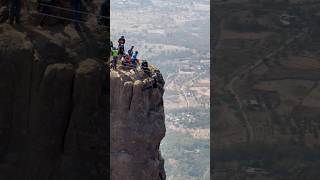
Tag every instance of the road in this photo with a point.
(185, 96)
(185, 85)
(250, 129)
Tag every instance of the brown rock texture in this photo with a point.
(53, 118)
(137, 126)
(54, 101)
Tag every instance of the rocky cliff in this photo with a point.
(53, 118)
(54, 104)
(137, 126)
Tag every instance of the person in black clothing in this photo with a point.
(145, 68)
(121, 50)
(130, 51)
(14, 14)
(121, 40)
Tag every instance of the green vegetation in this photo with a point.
(190, 157)
(187, 157)
(195, 117)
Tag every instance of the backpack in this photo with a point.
(144, 64)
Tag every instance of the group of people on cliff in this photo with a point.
(11, 10)
(127, 59)
(130, 60)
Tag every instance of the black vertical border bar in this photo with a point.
(108, 97)
(212, 62)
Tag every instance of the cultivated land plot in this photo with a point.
(267, 100)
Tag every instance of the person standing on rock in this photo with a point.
(121, 50)
(14, 11)
(121, 40)
(134, 59)
(114, 58)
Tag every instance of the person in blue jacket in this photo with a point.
(134, 59)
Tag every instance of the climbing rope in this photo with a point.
(60, 17)
(70, 10)
(127, 65)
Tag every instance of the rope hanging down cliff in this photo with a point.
(11, 10)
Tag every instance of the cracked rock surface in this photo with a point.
(53, 118)
(137, 127)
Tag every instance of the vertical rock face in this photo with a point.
(53, 119)
(53, 113)
(137, 127)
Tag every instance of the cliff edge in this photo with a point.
(137, 125)
(53, 110)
